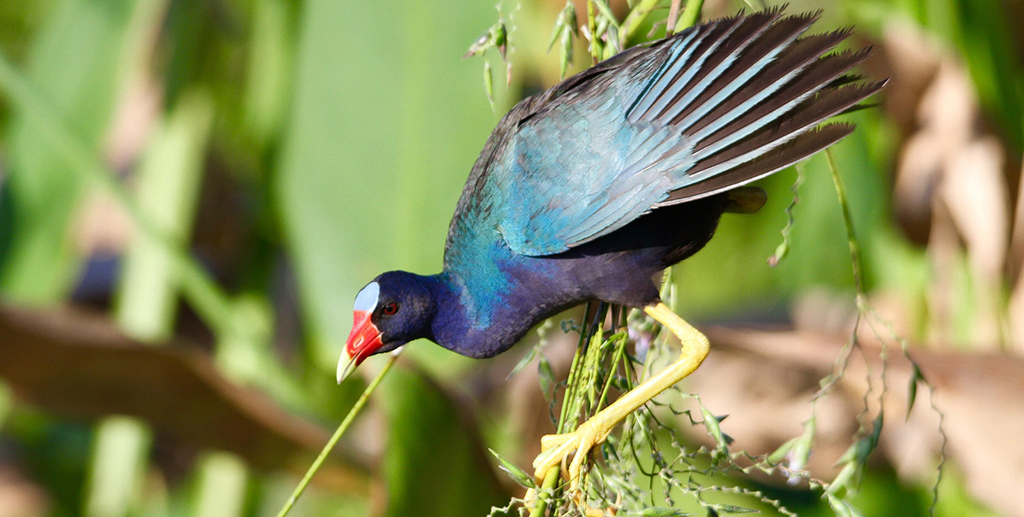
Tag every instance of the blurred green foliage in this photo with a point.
(316, 143)
(37, 263)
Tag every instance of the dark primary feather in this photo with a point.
(709, 109)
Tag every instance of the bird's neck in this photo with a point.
(472, 322)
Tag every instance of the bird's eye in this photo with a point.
(389, 309)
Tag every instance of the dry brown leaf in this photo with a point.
(951, 189)
(80, 366)
(912, 61)
(975, 193)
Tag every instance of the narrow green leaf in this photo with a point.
(868, 444)
(556, 32)
(590, 33)
(566, 53)
(527, 359)
(711, 423)
(848, 456)
(915, 378)
(168, 184)
(517, 474)
(489, 83)
(779, 454)
(802, 446)
(843, 480)
(571, 22)
(547, 376)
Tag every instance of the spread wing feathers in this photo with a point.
(709, 109)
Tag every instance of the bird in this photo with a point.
(589, 190)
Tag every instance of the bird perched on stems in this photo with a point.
(591, 189)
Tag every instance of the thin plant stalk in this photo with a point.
(673, 17)
(550, 479)
(691, 14)
(342, 428)
(851, 238)
(635, 17)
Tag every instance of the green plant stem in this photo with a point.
(351, 416)
(863, 308)
(690, 15)
(850, 235)
(591, 365)
(635, 17)
(568, 407)
(570, 386)
(595, 46)
(620, 350)
(550, 478)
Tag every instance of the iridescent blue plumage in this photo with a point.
(589, 156)
(588, 190)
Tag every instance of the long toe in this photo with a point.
(558, 448)
(555, 448)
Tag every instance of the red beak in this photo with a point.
(363, 341)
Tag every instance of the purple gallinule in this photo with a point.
(589, 190)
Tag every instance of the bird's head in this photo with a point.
(393, 309)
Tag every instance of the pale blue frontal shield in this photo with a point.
(366, 300)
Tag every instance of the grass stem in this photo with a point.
(550, 478)
(858, 278)
(356, 408)
(691, 15)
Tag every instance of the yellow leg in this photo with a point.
(557, 448)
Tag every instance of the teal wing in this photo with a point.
(709, 109)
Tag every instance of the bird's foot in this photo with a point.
(579, 500)
(557, 448)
